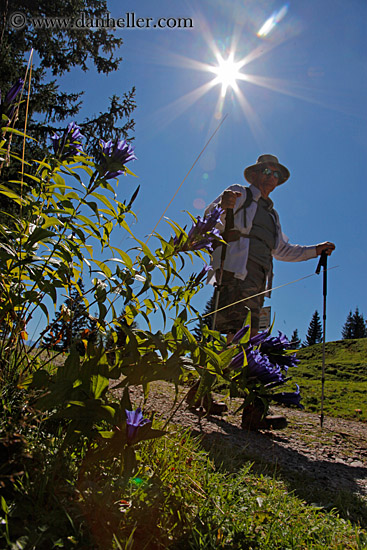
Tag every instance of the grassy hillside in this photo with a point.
(345, 378)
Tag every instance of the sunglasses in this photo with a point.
(268, 172)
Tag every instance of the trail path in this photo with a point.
(334, 457)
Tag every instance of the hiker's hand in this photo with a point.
(327, 246)
(229, 199)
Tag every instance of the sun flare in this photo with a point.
(228, 72)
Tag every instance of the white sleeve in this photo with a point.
(287, 252)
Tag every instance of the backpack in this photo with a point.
(246, 204)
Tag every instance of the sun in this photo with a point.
(228, 72)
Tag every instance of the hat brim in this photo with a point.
(250, 171)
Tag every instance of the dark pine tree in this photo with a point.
(347, 330)
(70, 322)
(207, 321)
(295, 341)
(314, 333)
(58, 51)
(359, 325)
(354, 326)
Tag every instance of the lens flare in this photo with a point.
(227, 71)
(270, 23)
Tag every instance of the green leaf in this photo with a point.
(59, 180)
(126, 260)
(90, 409)
(105, 201)
(147, 432)
(48, 222)
(104, 268)
(15, 131)
(98, 385)
(59, 394)
(4, 506)
(71, 368)
(130, 172)
(39, 234)
(130, 463)
(11, 195)
(125, 402)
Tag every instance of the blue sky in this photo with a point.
(303, 99)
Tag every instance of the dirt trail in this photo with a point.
(334, 457)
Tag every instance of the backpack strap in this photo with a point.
(246, 204)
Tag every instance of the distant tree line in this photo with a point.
(355, 326)
(67, 328)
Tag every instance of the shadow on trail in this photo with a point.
(312, 478)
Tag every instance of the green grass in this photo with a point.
(188, 494)
(228, 506)
(345, 386)
(182, 500)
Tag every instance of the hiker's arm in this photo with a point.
(327, 246)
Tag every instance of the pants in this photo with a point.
(232, 290)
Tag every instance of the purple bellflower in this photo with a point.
(114, 158)
(69, 143)
(14, 91)
(237, 362)
(275, 348)
(240, 334)
(8, 104)
(134, 421)
(289, 398)
(202, 235)
(260, 367)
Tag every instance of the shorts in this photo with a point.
(232, 319)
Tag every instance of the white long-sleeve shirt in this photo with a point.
(237, 251)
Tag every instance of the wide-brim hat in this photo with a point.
(262, 162)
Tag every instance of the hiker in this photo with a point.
(254, 238)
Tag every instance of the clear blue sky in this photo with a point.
(303, 100)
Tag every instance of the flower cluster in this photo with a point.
(202, 235)
(114, 158)
(134, 421)
(69, 143)
(267, 363)
(9, 103)
(289, 398)
(258, 366)
(275, 348)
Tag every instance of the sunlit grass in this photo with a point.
(345, 378)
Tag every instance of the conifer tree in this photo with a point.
(354, 326)
(314, 333)
(359, 325)
(70, 322)
(347, 331)
(58, 49)
(208, 321)
(295, 340)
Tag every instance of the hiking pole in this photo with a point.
(323, 263)
(229, 225)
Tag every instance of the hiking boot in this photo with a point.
(276, 422)
(210, 406)
(253, 419)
